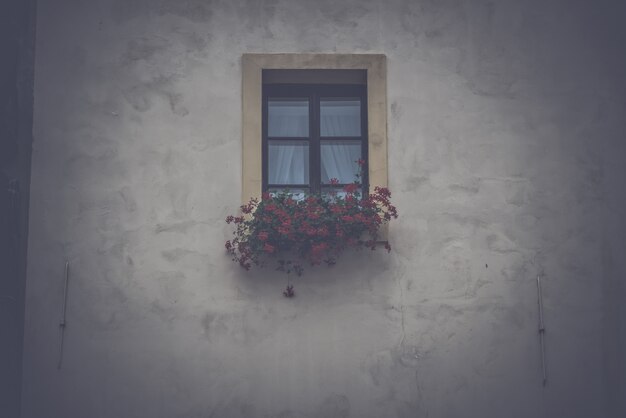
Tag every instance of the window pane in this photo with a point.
(296, 194)
(332, 193)
(339, 160)
(288, 118)
(288, 162)
(340, 117)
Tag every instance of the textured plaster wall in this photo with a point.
(506, 159)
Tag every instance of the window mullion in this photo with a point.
(314, 149)
(365, 178)
(264, 141)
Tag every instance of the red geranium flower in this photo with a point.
(311, 230)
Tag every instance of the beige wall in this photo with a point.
(505, 136)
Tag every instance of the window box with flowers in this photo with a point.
(313, 230)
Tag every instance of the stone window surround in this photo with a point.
(252, 67)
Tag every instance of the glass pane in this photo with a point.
(296, 194)
(340, 117)
(288, 162)
(339, 160)
(288, 118)
(332, 193)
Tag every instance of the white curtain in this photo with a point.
(289, 160)
(339, 160)
(288, 119)
(340, 118)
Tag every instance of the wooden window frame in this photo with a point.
(252, 67)
(314, 93)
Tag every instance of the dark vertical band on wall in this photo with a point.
(17, 35)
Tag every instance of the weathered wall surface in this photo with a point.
(506, 160)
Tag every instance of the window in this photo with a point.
(329, 69)
(313, 134)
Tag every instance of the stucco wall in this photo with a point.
(506, 146)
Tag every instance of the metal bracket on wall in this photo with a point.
(542, 332)
(62, 322)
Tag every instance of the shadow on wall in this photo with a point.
(16, 86)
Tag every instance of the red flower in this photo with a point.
(313, 230)
(336, 209)
(248, 208)
(317, 251)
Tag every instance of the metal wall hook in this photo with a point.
(542, 332)
(62, 323)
